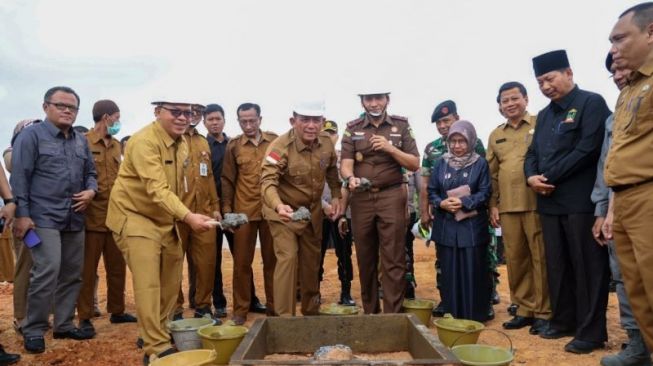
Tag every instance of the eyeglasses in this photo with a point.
(63, 106)
(178, 112)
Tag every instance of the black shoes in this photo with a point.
(345, 299)
(7, 358)
(87, 326)
(490, 313)
(438, 311)
(496, 299)
(75, 333)
(203, 312)
(518, 322)
(512, 309)
(122, 318)
(552, 333)
(582, 347)
(220, 313)
(35, 344)
(178, 316)
(257, 307)
(538, 326)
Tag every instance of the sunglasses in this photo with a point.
(62, 107)
(178, 112)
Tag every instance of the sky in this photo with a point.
(278, 53)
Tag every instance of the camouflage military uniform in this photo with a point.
(434, 151)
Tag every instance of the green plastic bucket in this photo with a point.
(224, 339)
(463, 331)
(422, 308)
(482, 355)
(197, 357)
(336, 309)
(184, 332)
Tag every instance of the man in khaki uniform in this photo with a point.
(293, 175)
(99, 240)
(512, 207)
(199, 194)
(241, 193)
(629, 168)
(378, 147)
(144, 213)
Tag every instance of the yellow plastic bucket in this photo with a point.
(422, 308)
(224, 339)
(462, 331)
(197, 357)
(336, 309)
(184, 332)
(482, 355)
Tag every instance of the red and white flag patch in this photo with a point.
(273, 157)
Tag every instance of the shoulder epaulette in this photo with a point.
(355, 122)
(400, 118)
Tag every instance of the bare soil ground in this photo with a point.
(115, 344)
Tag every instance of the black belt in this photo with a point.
(624, 187)
(379, 189)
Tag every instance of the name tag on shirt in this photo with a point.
(204, 170)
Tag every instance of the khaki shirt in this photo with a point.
(241, 175)
(145, 197)
(294, 174)
(199, 192)
(629, 160)
(107, 162)
(506, 151)
(378, 166)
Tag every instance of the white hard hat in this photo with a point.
(373, 91)
(314, 108)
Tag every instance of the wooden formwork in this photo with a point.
(383, 333)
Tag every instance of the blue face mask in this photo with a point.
(114, 129)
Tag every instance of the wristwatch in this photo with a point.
(9, 200)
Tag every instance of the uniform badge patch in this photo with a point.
(273, 157)
(359, 156)
(347, 133)
(571, 116)
(394, 129)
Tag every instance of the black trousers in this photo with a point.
(410, 259)
(219, 300)
(342, 246)
(578, 274)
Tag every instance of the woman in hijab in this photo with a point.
(459, 191)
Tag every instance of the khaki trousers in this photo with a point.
(297, 254)
(6, 257)
(526, 260)
(379, 228)
(156, 274)
(21, 278)
(201, 249)
(99, 244)
(633, 237)
(244, 249)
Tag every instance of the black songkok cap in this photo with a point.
(443, 109)
(608, 62)
(550, 61)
